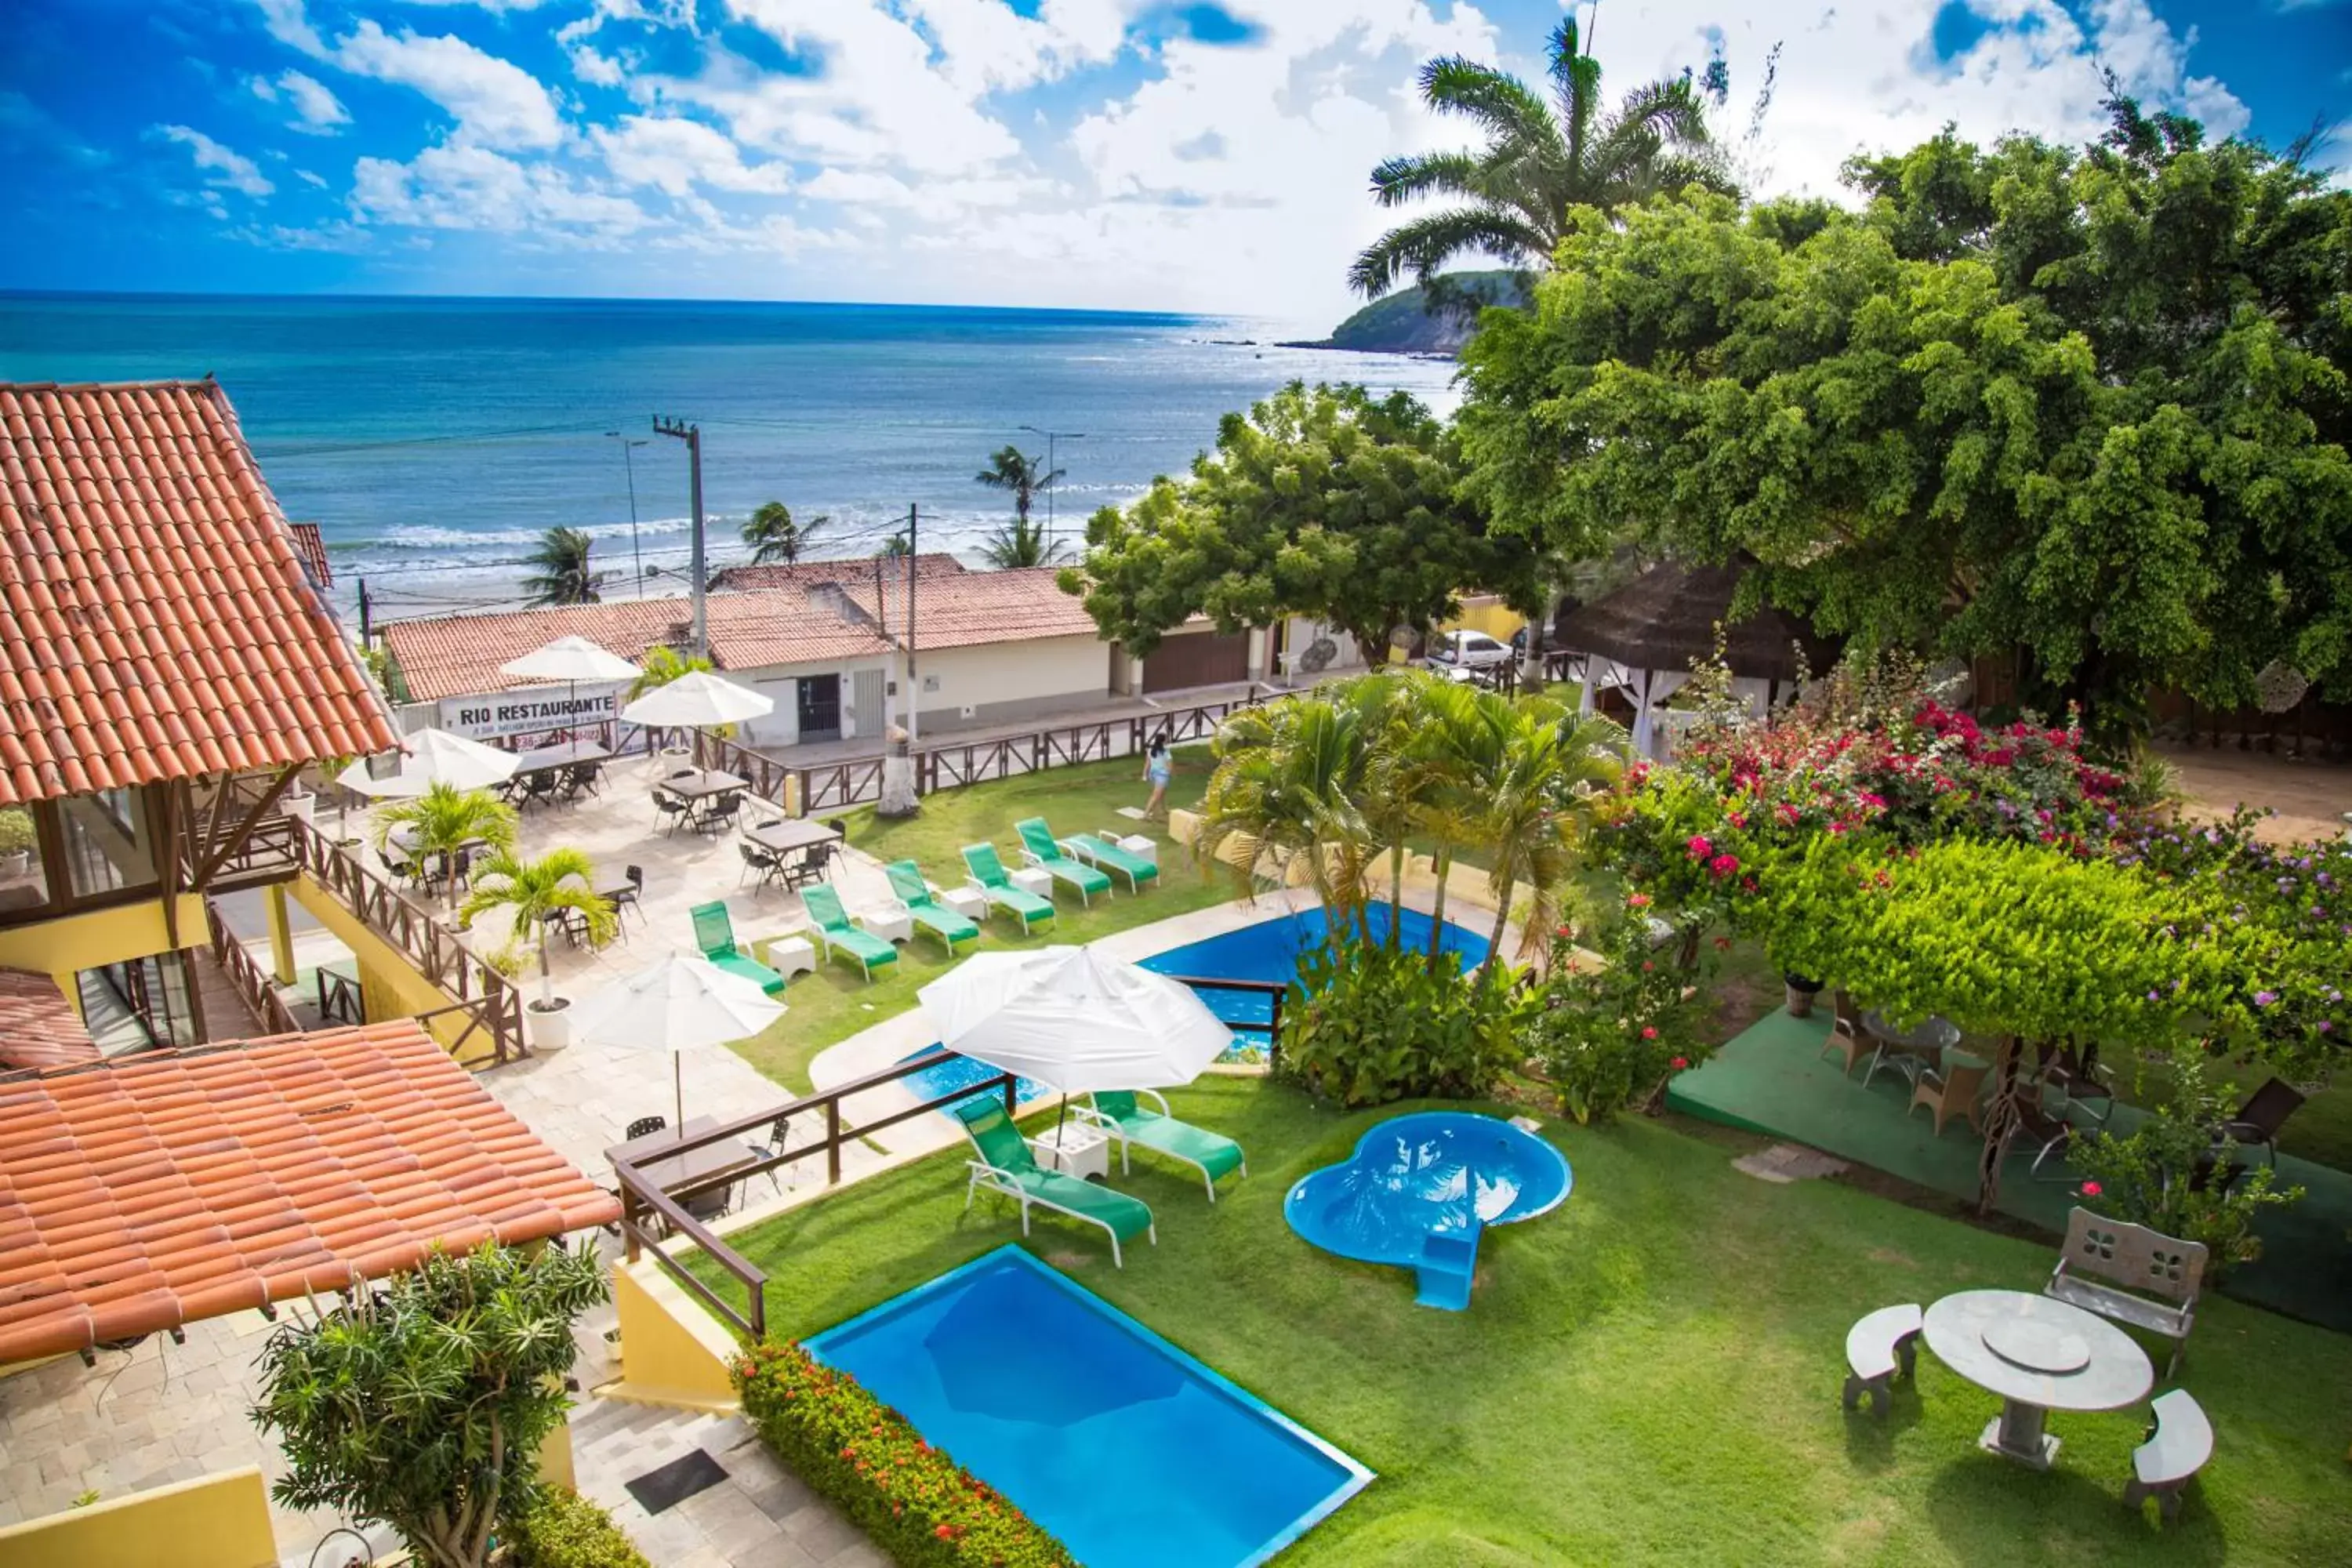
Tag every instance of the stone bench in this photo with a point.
(1876, 1349)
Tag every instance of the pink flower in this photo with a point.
(1638, 901)
(2092, 1189)
(1649, 1032)
(1698, 847)
(1679, 1063)
(1723, 865)
(1647, 967)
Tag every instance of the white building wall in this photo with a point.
(1007, 682)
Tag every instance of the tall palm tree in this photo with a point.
(898, 547)
(775, 539)
(1011, 468)
(1285, 793)
(532, 891)
(561, 572)
(1022, 543)
(1544, 155)
(443, 820)
(1528, 772)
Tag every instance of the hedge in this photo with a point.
(561, 1530)
(915, 1502)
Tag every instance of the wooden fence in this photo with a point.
(253, 983)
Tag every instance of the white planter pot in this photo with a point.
(14, 864)
(549, 1026)
(297, 806)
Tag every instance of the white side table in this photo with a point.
(1141, 848)
(1030, 879)
(968, 902)
(1075, 1148)
(896, 923)
(787, 956)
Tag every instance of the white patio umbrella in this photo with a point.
(572, 660)
(696, 701)
(682, 1003)
(432, 756)
(1074, 1021)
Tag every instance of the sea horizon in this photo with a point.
(434, 438)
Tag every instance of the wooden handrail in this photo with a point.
(259, 990)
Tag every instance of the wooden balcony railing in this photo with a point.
(253, 983)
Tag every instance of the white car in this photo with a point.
(1455, 651)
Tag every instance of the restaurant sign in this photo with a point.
(535, 711)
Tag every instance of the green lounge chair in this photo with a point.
(1037, 847)
(995, 885)
(1212, 1154)
(906, 883)
(829, 924)
(1098, 849)
(1005, 1165)
(714, 936)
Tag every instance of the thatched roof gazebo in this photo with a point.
(1643, 639)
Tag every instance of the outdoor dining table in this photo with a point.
(569, 754)
(692, 1165)
(2039, 1354)
(699, 783)
(789, 834)
(1918, 1047)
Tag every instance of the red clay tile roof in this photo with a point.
(160, 1188)
(311, 547)
(979, 608)
(804, 574)
(154, 622)
(38, 1027)
(456, 655)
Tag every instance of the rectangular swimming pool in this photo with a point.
(1133, 1453)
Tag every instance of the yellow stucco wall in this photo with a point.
(1487, 614)
(64, 947)
(389, 986)
(673, 1352)
(215, 1522)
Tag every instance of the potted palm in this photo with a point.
(17, 838)
(443, 820)
(532, 893)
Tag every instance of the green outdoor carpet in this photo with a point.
(1775, 1080)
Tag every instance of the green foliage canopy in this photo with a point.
(2091, 405)
(1325, 502)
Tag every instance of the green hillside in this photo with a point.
(1402, 323)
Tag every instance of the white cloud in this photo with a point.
(317, 111)
(308, 178)
(289, 24)
(227, 170)
(495, 103)
(675, 155)
(460, 185)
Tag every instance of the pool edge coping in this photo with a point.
(1359, 1475)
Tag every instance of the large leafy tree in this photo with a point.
(423, 1400)
(2088, 409)
(1328, 503)
(1548, 152)
(776, 538)
(560, 571)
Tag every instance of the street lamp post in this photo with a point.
(1052, 436)
(628, 467)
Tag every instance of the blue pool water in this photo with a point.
(1267, 950)
(1130, 1451)
(1431, 1172)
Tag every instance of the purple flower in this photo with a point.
(2153, 997)
(2264, 998)
(2325, 1027)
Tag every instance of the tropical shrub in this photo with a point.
(1366, 1025)
(421, 1402)
(17, 835)
(1609, 1037)
(915, 1502)
(564, 1530)
(443, 820)
(2165, 1174)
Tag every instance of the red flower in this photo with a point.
(1698, 847)
(945, 1532)
(1647, 967)
(1723, 865)
(1723, 944)
(1638, 901)
(2092, 1189)
(1679, 1063)
(1649, 1032)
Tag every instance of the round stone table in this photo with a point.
(2039, 1356)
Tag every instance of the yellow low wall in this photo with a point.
(215, 1522)
(390, 986)
(673, 1352)
(62, 948)
(1490, 616)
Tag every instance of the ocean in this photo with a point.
(432, 439)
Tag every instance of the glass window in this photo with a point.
(24, 881)
(107, 847)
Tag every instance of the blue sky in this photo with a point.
(1141, 154)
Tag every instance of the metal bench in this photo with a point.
(2141, 1260)
(1875, 1348)
(2180, 1442)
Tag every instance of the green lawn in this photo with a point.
(835, 1003)
(1649, 1375)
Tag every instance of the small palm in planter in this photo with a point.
(534, 892)
(443, 819)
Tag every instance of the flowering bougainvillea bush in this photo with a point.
(1610, 1038)
(913, 1500)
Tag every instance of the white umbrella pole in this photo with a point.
(677, 1079)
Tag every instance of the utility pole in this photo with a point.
(628, 468)
(914, 690)
(692, 435)
(1052, 436)
(364, 627)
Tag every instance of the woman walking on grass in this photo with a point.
(1159, 766)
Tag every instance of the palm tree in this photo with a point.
(898, 547)
(444, 819)
(662, 665)
(1528, 773)
(1543, 157)
(561, 573)
(1289, 777)
(775, 539)
(531, 891)
(1013, 469)
(1022, 543)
